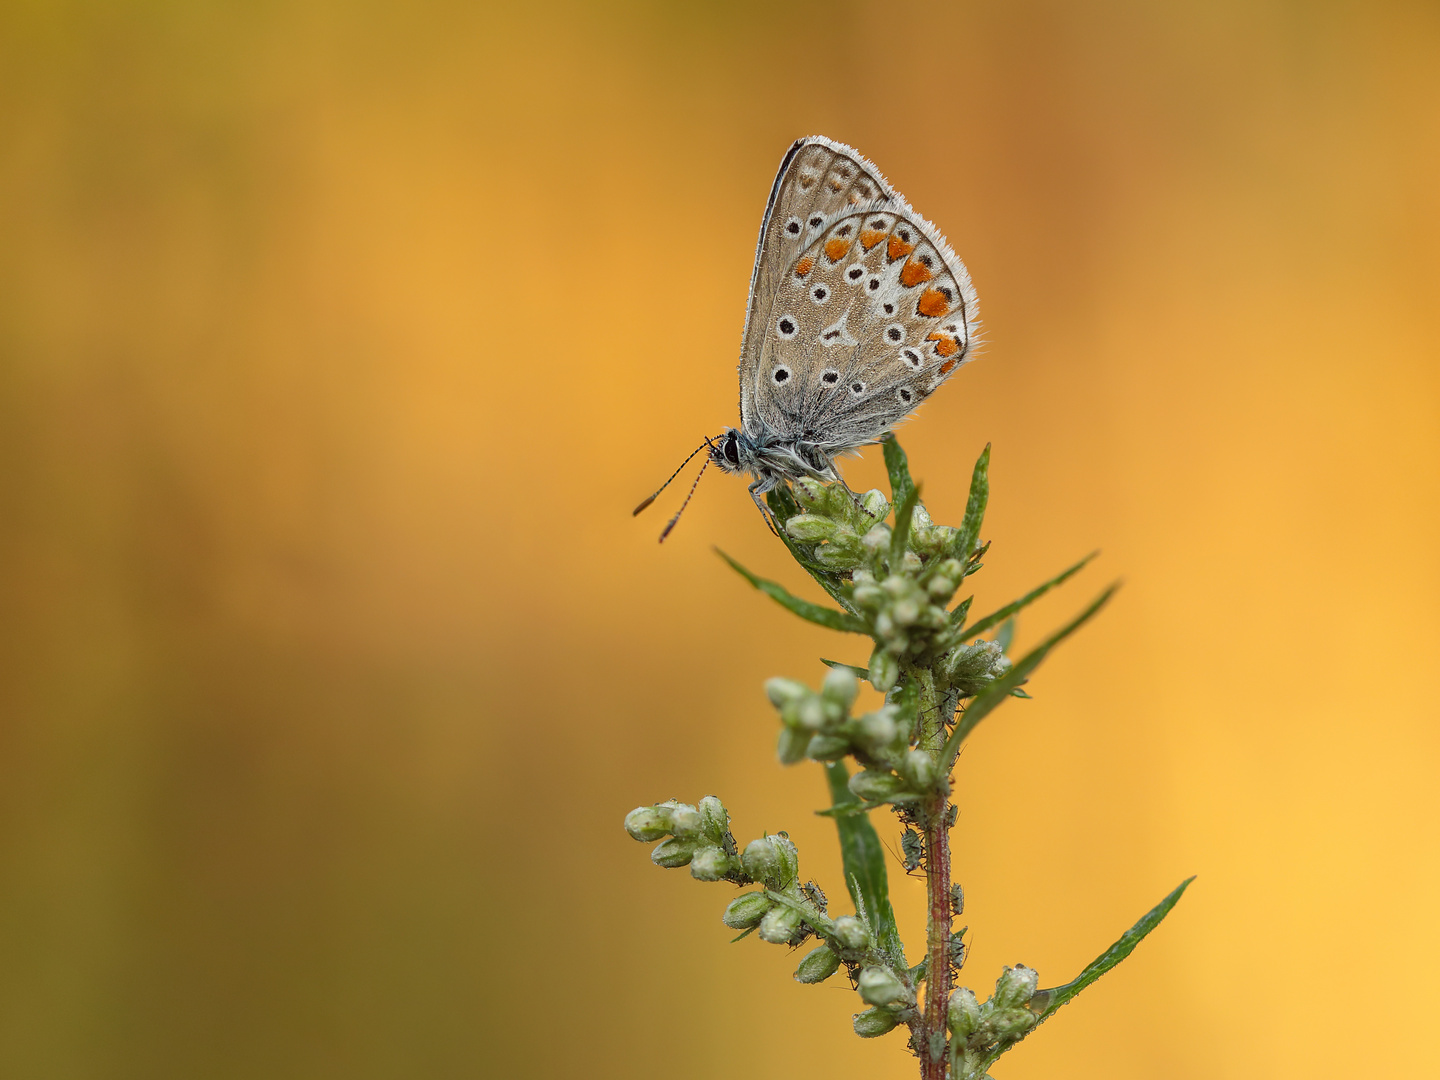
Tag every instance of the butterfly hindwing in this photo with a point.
(858, 307)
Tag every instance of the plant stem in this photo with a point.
(934, 821)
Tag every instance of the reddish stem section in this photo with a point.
(933, 1035)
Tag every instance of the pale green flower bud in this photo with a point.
(869, 597)
(964, 1012)
(672, 853)
(1012, 1023)
(811, 529)
(879, 986)
(905, 612)
(1016, 986)
(685, 820)
(811, 713)
(714, 818)
(920, 770)
(647, 823)
(827, 748)
(793, 744)
(884, 670)
(784, 692)
(851, 932)
(875, 785)
(709, 864)
(920, 517)
(809, 492)
(746, 910)
(840, 687)
(878, 730)
(818, 965)
(875, 504)
(779, 924)
(874, 1022)
(877, 539)
(773, 860)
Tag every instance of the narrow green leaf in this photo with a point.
(744, 934)
(899, 469)
(961, 610)
(783, 506)
(1000, 689)
(854, 669)
(1005, 635)
(900, 538)
(1046, 1002)
(822, 616)
(864, 858)
(997, 617)
(965, 541)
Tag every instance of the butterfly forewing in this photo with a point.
(858, 307)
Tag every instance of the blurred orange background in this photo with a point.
(337, 342)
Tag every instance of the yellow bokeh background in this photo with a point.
(337, 342)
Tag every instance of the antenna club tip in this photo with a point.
(642, 506)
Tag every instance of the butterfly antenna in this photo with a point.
(674, 474)
(674, 520)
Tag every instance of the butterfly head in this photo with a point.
(733, 452)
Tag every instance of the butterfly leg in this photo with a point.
(755, 489)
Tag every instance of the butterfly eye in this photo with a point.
(820, 294)
(780, 375)
(905, 395)
(895, 332)
(792, 227)
(912, 359)
(855, 273)
(830, 377)
(857, 388)
(785, 326)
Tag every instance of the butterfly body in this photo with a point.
(858, 311)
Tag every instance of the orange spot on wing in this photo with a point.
(932, 301)
(946, 367)
(870, 237)
(898, 248)
(835, 248)
(945, 346)
(913, 273)
(804, 266)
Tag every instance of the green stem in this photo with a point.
(931, 1042)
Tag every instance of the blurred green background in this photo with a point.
(337, 342)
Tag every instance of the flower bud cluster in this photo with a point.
(979, 1029)
(971, 668)
(835, 524)
(699, 837)
(819, 725)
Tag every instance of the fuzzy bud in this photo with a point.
(810, 529)
(873, 1022)
(1016, 986)
(714, 818)
(964, 1012)
(779, 924)
(773, 860)
(792, 745)
(648, 823)
(709, 864)
(884, 670)
(827, 748)
(784, 692)
(840, 686)
(851, 932)
(685, 820)
(919, 769)
(875, 504)
(673, 853)
(879, 986)
(746, 910)
(818, 965)
(875, 785)
(1012, 1023)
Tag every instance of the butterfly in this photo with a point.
(858, 311)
